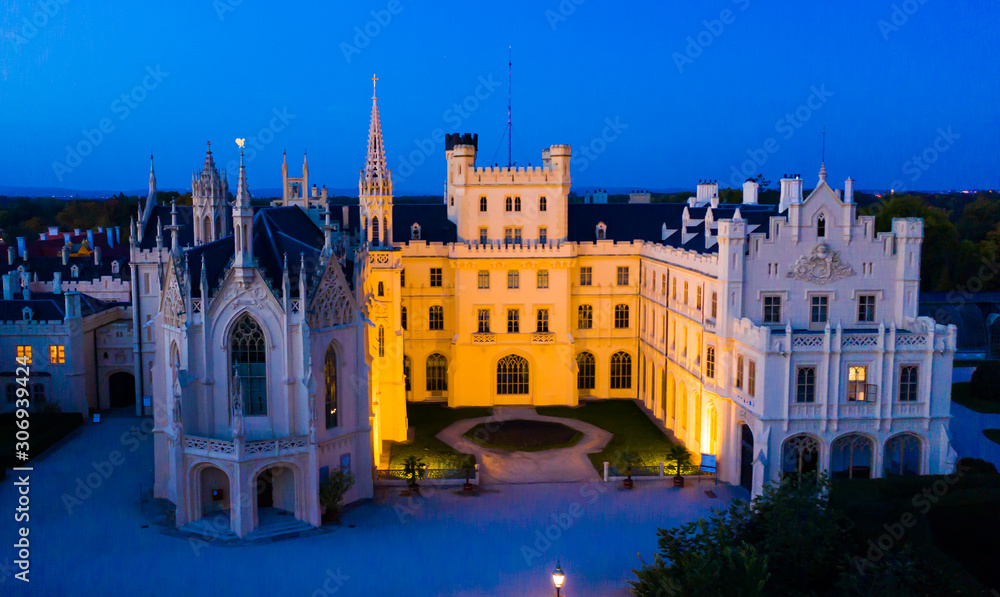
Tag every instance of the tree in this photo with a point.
(762, 183)
(333, 489)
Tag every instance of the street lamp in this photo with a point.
(558, 577)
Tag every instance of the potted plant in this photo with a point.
(679, 455)
(627, 460)
(331, 493)
(414, 468)
(468, 465)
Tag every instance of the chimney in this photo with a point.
(65, 255)
(111, 237)
(27, 291)
(53, 230)
(20, 247)
(750, 193)
(97, 256)
(11, 252)
(90, 238)
(8, 287)
(25, 254)
(43, 236)
(57, 282)
(315, 192)
(76, 232)
(346, 213)
(791, 192)
(72, 305)
(849, 190)
(66, 237)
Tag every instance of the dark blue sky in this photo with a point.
(663, 93)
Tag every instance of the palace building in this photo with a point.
(280, 342)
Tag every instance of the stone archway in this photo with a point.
(121, 390)
(276, 492)
(851, 457)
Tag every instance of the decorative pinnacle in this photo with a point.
(374, 83)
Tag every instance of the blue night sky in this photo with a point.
(660, 98)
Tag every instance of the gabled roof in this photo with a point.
(47, 306)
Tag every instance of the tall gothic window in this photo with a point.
(621, 371)
(248, 354)
(586, 376)
(381, 341)
(330, 377)
(375, 231)
(512, 375)
(437, 373)
(585, 317)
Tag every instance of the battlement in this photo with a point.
(495, 250)
(453, 139)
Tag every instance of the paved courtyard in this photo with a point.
(503, 542)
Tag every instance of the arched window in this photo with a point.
(621, 317)
(821, 226)
(437, 373)
(851, 457)
(206, 230)
(799, 454)
(381, 289)
(406, 374)
(586, 377)
(512, 375)
(602, 231)
(381, 341)
(218, 228)
(115, 267)
(585, 317)
(482, 203)
(415, 232)
(517, 204)
(621, 371)
(402, 317)
(330, 379)
(902, 455)
(510, 204)
(543, 204)
(375, 231)
(248, 352)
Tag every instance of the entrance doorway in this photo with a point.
(746, 459)
(121, 390)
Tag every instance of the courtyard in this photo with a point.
(87, 535)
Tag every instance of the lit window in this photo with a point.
(710, 362)
(739, 372)
(857, 384)
(57, 354)
(673, 289)
(697, 297)
(751, 377)
(543, 278)
(621, 371)
(24, 355)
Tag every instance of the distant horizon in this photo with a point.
(725, 89)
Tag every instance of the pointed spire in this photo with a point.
(242, 192)
(174, 228)
(375, 176)
(209, 162)
(822, 171)
(204, 282)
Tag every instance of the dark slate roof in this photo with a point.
(433, 219)
(162, 212)
(277, 231)
(47, 306)
(46, 266)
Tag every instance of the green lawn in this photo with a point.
(960, 394)
(954, 529)
(428, 420)
(993, 435)
(630, 426)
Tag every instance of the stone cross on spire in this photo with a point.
(375, 179)
(374, 83)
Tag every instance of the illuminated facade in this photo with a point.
(780, 338)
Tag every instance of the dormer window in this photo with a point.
(821, 226)
(602, 231)
(74, 271)
(415, 232)
(27, 314)
(115, 267)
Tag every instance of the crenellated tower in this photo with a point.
(210, 202)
